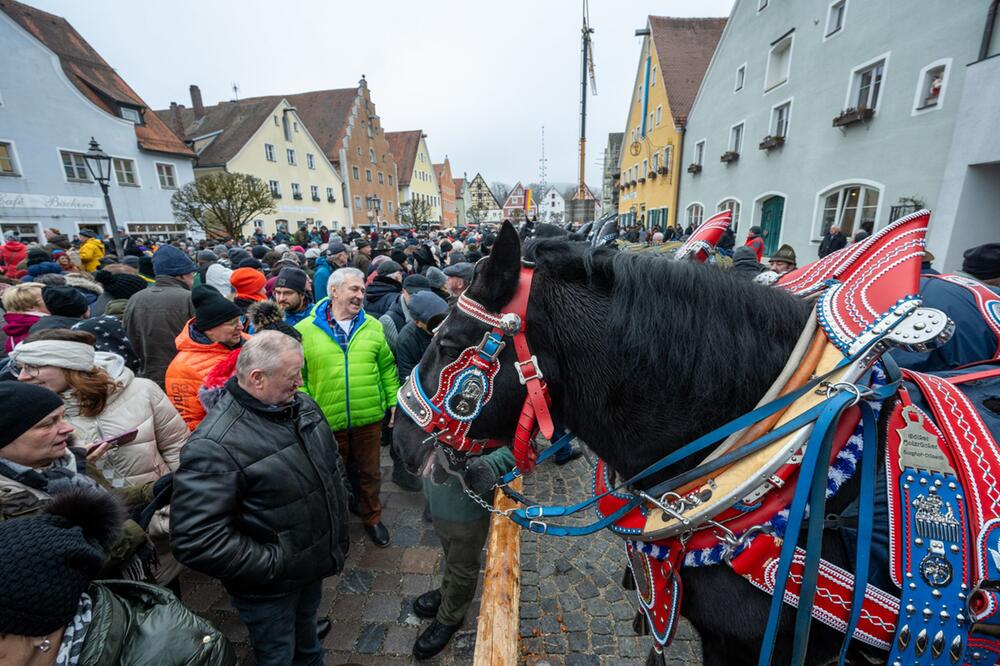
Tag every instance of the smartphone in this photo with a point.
(117, 440)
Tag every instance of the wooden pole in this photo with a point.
(499, 610)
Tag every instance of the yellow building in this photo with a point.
(674, 56)
(265, 137)
(417, 179)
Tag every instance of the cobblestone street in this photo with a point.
(573, 608)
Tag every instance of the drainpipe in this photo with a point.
(991, 18)
(680, 165)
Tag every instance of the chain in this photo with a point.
(486, 505)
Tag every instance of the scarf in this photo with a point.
(16, 325)
(75, 634)
(65, 473)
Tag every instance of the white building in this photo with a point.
(56, 93)
(552, 206)
(842, 112)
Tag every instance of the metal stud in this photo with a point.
(976, 656)
(955, 651)
(904, 637)
(944, 615)
(927, 613)
(913, 585)
(918, 541)
(960, 618)
(935, 593)
(910, 609)
(923, 481)
(937, 482)
(909, 478)
(959, 498)
(954, 547)
(937, 645)
(920, 644)
(951, 485)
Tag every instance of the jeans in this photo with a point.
(283, 629)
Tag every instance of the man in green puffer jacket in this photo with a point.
(351, 374)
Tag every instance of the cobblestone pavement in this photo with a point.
(574, 611)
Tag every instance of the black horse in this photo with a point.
(641, 356)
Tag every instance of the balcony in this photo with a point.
(851, 116)
(694, 168)
(771, 142)
(729, 157)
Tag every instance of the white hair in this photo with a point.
(338, 276)
(263, 352)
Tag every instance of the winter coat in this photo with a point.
(362, 262)
(394, 320)
(114, 308)
(260, 499)
(136, 623)
(757, 245)
(187, 373)
(410, 347)
(745, 266)
(381, 296)
(11, 254)
(353, 387)
(91, 253)
(17, 325)
(831, 243)
(320, 278)
(153, 318)
(41, 268)
(217, 276)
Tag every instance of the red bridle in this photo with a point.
(466, 384)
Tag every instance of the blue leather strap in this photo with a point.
(561, 440)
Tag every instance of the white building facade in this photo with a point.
(552, 206)
(825, 112)
(55, 94)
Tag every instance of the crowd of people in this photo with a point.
(219, 406)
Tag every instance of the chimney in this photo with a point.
(196, 103)
(176, 120)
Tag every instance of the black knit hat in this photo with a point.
(64, 301)
(292, 278)
(982, 262)
(49, 560)
(211, 308)
(24, 405)
(37, 255)
(120, 285)
(258, 251)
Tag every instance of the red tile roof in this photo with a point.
(93, 76)
(684, 47)
(403, 146)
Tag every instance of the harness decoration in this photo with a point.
(701, 244)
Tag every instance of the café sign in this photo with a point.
(50, 201)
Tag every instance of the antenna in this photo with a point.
(236, 91)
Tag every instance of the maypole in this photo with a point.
(586, 67)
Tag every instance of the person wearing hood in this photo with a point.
(75, 618)
(248, 285)
(91, 251)
(12, 253)
(155, 315)
(437, 281)
(118, 287)
(291, 292)
(206, 339)
(104, 398)
(745, 264)
(204, 258)
(385, 289)
(321, 275)
(23, 308)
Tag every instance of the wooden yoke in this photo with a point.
(499, 609)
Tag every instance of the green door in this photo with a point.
(770, 223)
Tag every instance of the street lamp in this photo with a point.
(99, 164)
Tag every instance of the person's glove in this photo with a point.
(481, 477)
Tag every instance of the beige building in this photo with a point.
(417, 179)
(267, 138)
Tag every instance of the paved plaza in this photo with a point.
(573, 609)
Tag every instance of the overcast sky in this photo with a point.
(480, 78)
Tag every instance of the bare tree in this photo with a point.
(416, 211)
(500, 191)
(221, 204)
(476, 214)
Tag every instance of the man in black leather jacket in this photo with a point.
(260, 501)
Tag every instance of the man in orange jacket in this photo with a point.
(209, 338)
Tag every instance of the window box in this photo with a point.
(770, 142)
(652, 174)
(297, 197)
(331, 199)
(663, 169)
(853, 115)
(694, 168)
(642, 179)
(729, 156)
(635, 181)
(316, 197)
(617, 187)
(276, 195)
(617, 174)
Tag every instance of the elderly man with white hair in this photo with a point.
(260, 501)
(350, 371)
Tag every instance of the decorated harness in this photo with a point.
(768, 473)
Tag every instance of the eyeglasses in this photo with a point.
(29, 370)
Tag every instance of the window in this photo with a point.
(269, 154)
(866, 85)
(656, 162)
(645, 168)
(167, 176)
(277, 123)
(26, 233)
(368, 175)
(849, 207)
(258, 224)
(390, 179)
(652, 77)
(75, 166)
(125, 172)
(389, 206)
(371, 155)
(7, 165)
(329, 195)
(290, 154)
(931, 86)
(310, 160)
(666, 157)
(659, 115)
(699, 152)
(314, 191)
(131, 114)
(275, 188)
(296, 191)
(835, 17)
(733, 205)
(295, 126)
(779, 62)
(736, 138)
(381, 178)
(779, 119)
(741, 75)
(761, 5)
(357, 203)
(356, 173)
(695, 214)
(649, 122)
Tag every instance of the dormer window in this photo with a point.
(131, 114)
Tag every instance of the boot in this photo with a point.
(433, 639)
(427, 604)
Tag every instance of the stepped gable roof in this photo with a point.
(403, 146)
(235, 123)
(93, 76)
(684, 47)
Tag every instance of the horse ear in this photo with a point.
(498, 275)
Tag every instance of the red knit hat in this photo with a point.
(248, 283)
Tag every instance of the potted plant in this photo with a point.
(694, 168)
(729, 156)
(770, 142)
(853, 115)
